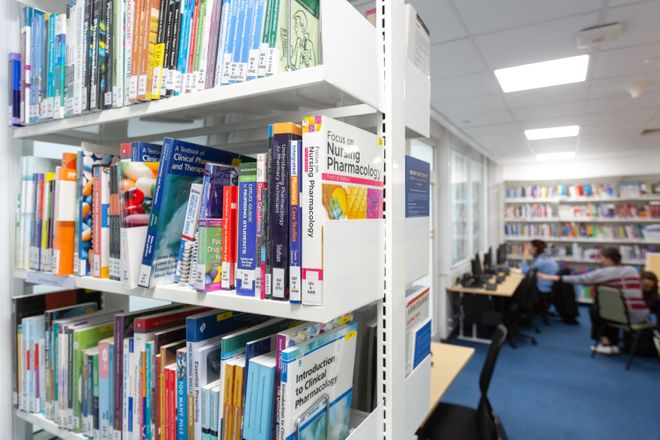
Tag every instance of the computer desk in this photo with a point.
(505, 289)
(447, 362)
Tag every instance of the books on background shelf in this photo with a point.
(570, 230)
(623, 211)
(629, 189)
(105, 54)
(580, 253)
(182, 372)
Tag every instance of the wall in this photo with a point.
(584, 168)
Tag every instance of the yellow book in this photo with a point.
(239, 370)
(228, 401)
(46, 237)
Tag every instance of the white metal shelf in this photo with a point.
(520, 200)
(336, 304)
(583, 220)
(48, 425)
(584, 240)
(578, 260)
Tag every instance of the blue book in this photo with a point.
(247, 229)
(181, 165)
(216, 176)
(229, 41)
(181, 395)
(184, 41)
(254, 48)
(260, 398)
(37, 64)
(59, 81)
(15, 88)
(243, 40)
(295, 224)
(47, 106)
(253, 349)
(140, 151)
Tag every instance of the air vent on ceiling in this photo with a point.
(598, 34)
(650, 132)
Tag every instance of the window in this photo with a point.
(466, 177)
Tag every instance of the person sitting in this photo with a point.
(650, 294)
(618, 276)
(542, 262)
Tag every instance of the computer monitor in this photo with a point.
(501, 255)
(488, 260)
(476, 266)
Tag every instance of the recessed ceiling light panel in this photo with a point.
(564, 155)
(543, 74)
(538, 134)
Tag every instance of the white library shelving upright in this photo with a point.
(365, 77)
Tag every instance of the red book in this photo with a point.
(159, 321)
(170, 398)
(229, 237)
(155, 412)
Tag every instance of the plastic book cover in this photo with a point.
(280, 138)
(255, 35)
(229, 40)
(327, 360)
(229, 214)
(343, 180)
(243, 39)
(65, 216)
(184, 267)
(138, 172)
(209, 260)
(216, 177)
(247, 229)
(181, 165)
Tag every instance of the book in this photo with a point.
(261, 240)
(106, 388)
(280, 138)
(181, 165)
(260, 398)
(65, 216)
(216, 177)
(295, 223)
(417, 314)
(229, 213)
(184, 262)
(15, 89)
(114, 222)
(325, 364)
(343, 180)
(237, 397)
(247, 229)
(209, 260)
(137, 171)
(206, 369)
(100, 223)
(181, 394)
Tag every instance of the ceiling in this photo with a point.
(471, 38)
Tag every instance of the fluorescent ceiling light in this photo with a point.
(556, 156)
(543, 74)
(538, 134)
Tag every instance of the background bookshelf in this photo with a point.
(234, 118)
(577, 217)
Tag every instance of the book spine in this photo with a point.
(96, 221)
(107, 72)
(229, 201)
(210, 251)
(181, 400)
(130, 86)
(295, 228)
(136, 44)
(187, 7)
(280, 150)
(175, 32)
(184, 268)
(312, 239)
(273, 56)
(230, 42)
(95, 426)
(144, 276)
(155, 53)
(26, 56)
(14, 89)
(118, 371)
(255, 35)
(93, 90)
(50, 71)
(117, 52)
(160, 49)
(222, 42)
(115, 225)
(60, 66)
(246, 246)
(259, 220)
(227, 403)
(241, 15)
(266, 263)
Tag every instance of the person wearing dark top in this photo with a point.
(649, 282)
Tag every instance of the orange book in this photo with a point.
(138, 6)
(151, 38)
(65, 213)
(239, 371)
(228, 401)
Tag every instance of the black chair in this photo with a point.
(563, 297)
(520, 311)
(457, 422)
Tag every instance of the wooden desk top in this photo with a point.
(506, 288)
(448, 360)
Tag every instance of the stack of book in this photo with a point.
(203, 217)
(111, 53)
(176, 372)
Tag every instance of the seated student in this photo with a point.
(613, 274)
(650, 293)
(542, 262)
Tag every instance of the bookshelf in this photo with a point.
(368, 92)
(578, 216)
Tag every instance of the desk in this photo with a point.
(448, 360)
(505, 289)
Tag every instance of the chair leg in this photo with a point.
(600, 334)
(632, 350)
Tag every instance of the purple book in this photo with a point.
(216, 177)
(213, 45)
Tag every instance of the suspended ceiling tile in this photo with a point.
(639, 22)
(467, 86)
(468, 106)
(547, 95)
(626, 61)
(455, 58)
(439, 16)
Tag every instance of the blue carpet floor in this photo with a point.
(555, 390)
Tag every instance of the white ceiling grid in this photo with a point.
(472, 38)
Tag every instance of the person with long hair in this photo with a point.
(535, 257)
(618, 276)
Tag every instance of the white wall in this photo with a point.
(583, 168)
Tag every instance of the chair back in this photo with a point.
(489, 425)
(499, 336)
(612, 305)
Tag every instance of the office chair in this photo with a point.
(520, 311)
(613, 311)
(456, 422)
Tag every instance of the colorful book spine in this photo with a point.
(229, 211)
(14, 88)
(261, 203)
(65, 216)
(229, 43)
(211, 49)
(35, 240)
(184, 261)
(239, 38)
(216, 177)
(255, 35)
(222, 42)
(101, 226)
(26, 55)
(210, 251)
(247, 229)
(295, 225)
(181, 395)
(114, 220)
(280, 137)
(60, 67)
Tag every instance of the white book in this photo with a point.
(206, 32)
(346, 163)
(199, 356)
(119, 9)
(222, 41)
